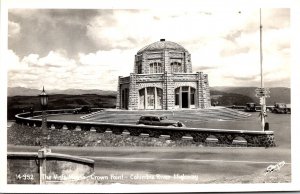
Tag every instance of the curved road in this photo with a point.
(140, 165)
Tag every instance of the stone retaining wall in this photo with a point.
(24, 168)
(222, 136)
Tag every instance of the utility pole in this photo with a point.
(263, 91)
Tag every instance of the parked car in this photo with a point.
(250, 107)
(158, 121)
(82, 110)
(281, 108)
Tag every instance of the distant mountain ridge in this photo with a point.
(277, 94)
(21, 91)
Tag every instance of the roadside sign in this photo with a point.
(260, 92)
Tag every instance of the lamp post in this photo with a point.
(44, 143)
(262, 92)
(44, 102)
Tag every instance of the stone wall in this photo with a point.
(133, 93)
(165, 57)
(203, 91)
(168, 82)
(166, 78)
(24, 168)
(227, 137)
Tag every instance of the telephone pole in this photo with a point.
(262, 92)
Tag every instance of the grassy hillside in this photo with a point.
(228, 99)
(18, 104)
(278, 94)
(21, 91)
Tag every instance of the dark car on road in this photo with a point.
(82, 110)
(250, 107)
(281, 108)
(158, 121)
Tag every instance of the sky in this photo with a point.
(90, 48)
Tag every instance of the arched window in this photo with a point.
(176, 67)
(155, 67)
(185, 97)
(150, 98)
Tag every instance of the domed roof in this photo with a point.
(161, 45)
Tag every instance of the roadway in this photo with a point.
(140, 165)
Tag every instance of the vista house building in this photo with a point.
(163, 80)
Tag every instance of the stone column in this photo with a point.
(170, 92)
(145, 65)
(133, 94)
(207, 92)
(135, 66)
(166, 60)
(165, 87)
(118, 94)
(200, 89)
(188, 62)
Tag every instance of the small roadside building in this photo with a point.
(163, 80)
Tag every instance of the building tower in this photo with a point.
(163, 80)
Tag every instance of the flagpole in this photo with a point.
(262, 98)
(261, 57)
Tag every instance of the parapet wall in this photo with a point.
(24, 168)
(223, 136)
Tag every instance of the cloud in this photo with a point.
(13, 28)
(98, 70)
(91, 48)
(13, 61)
(48, 70)
(44, 30)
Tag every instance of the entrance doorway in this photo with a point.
(185, 102)
(185, 97)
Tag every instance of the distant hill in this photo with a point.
(21, 91)
(230, 95)
(18, 104)
(277, 94)
(20, 99)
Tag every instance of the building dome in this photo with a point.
(162, 45)
(163, 79)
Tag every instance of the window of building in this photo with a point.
(155, 67)
(124, 98)
(176, 67)
(177, 91)
(192, 96)
(139, 65)
(185, 96)
(150, 98)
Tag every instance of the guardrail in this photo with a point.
(222, 136)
